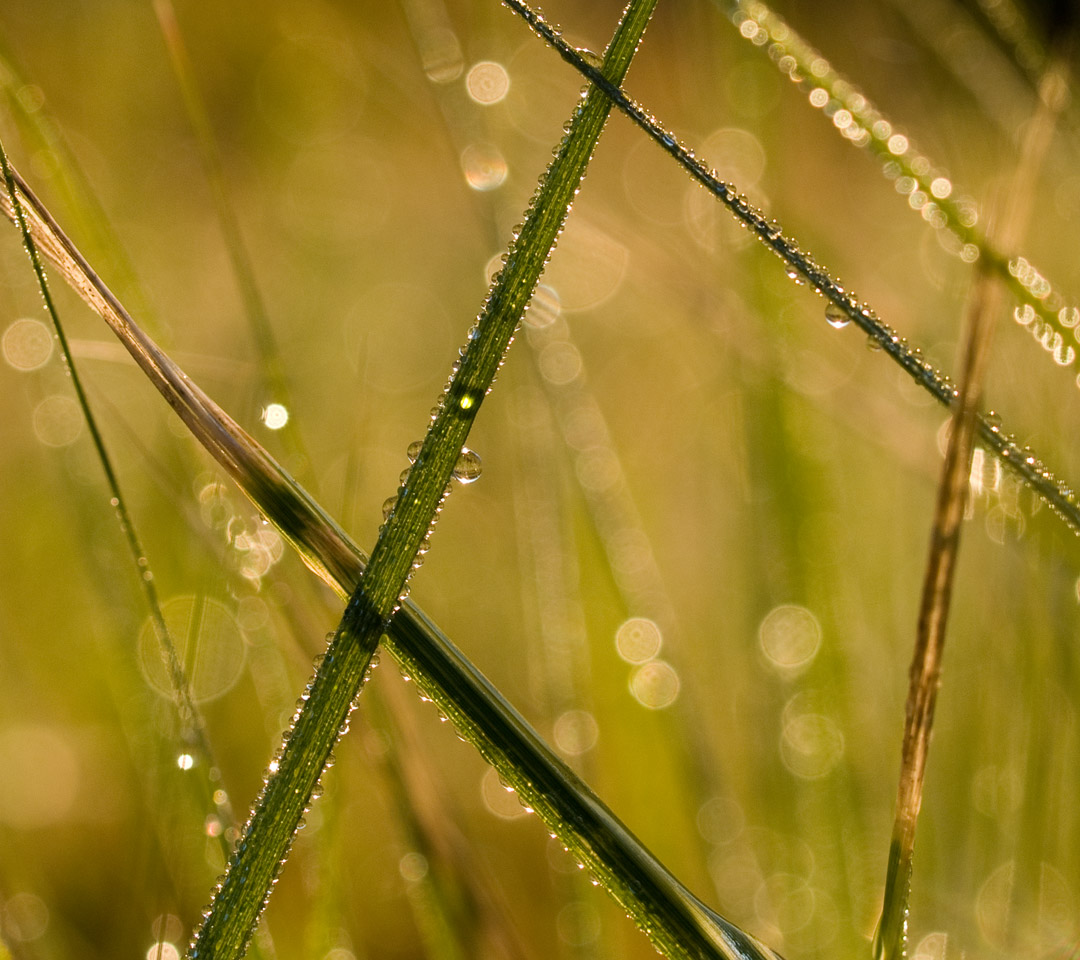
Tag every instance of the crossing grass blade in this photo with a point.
(322, 714)
(801, 265)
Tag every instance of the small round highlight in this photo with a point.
(25, 917)
(811, 745)
(58, 421)
(638, 640)
(578, 924)
(655, 685)
(275, 416)
(544, 308)
(208, 644)
(576, 732)
(484, 166)
(560, 363)
(898, 144)
(440, 56)
(413, 867)
(934, 946)
(1041, 923)
(720, 820)
(163, 950)
(790, 637)
(27, 344)
(487, 82)
(941, 187)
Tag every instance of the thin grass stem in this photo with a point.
(270, 360)
(192, 727)
(42, 135)
(322, 713)
(890, 939)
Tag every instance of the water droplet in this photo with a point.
(836, 315)
(388, 506)
(592, 58)
(468, 466)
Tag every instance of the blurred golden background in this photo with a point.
(693, 560)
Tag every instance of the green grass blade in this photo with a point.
(192, 727)
(802, 267)
(680, 924)
(322, 713)
(1043, 309)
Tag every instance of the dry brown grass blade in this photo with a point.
(318, 539)
(925, 671)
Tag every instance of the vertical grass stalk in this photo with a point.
(890, 938)
(323, 710)
(270, 362)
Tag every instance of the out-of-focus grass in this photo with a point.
(782, 472)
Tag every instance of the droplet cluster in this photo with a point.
(928, 188)
(241, 862)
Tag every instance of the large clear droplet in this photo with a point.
(836, 315)
(468, 466)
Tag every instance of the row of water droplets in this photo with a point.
(272, 770)
(802, 268)
(468, 466)
(928, 188)
(467, 469)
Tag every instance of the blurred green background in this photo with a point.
(695, 555)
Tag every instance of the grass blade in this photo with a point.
(570, 810)
(322, 713)
(890, 939)
(803, 268)
(943, 205)
(676, 921)
(192, 727)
